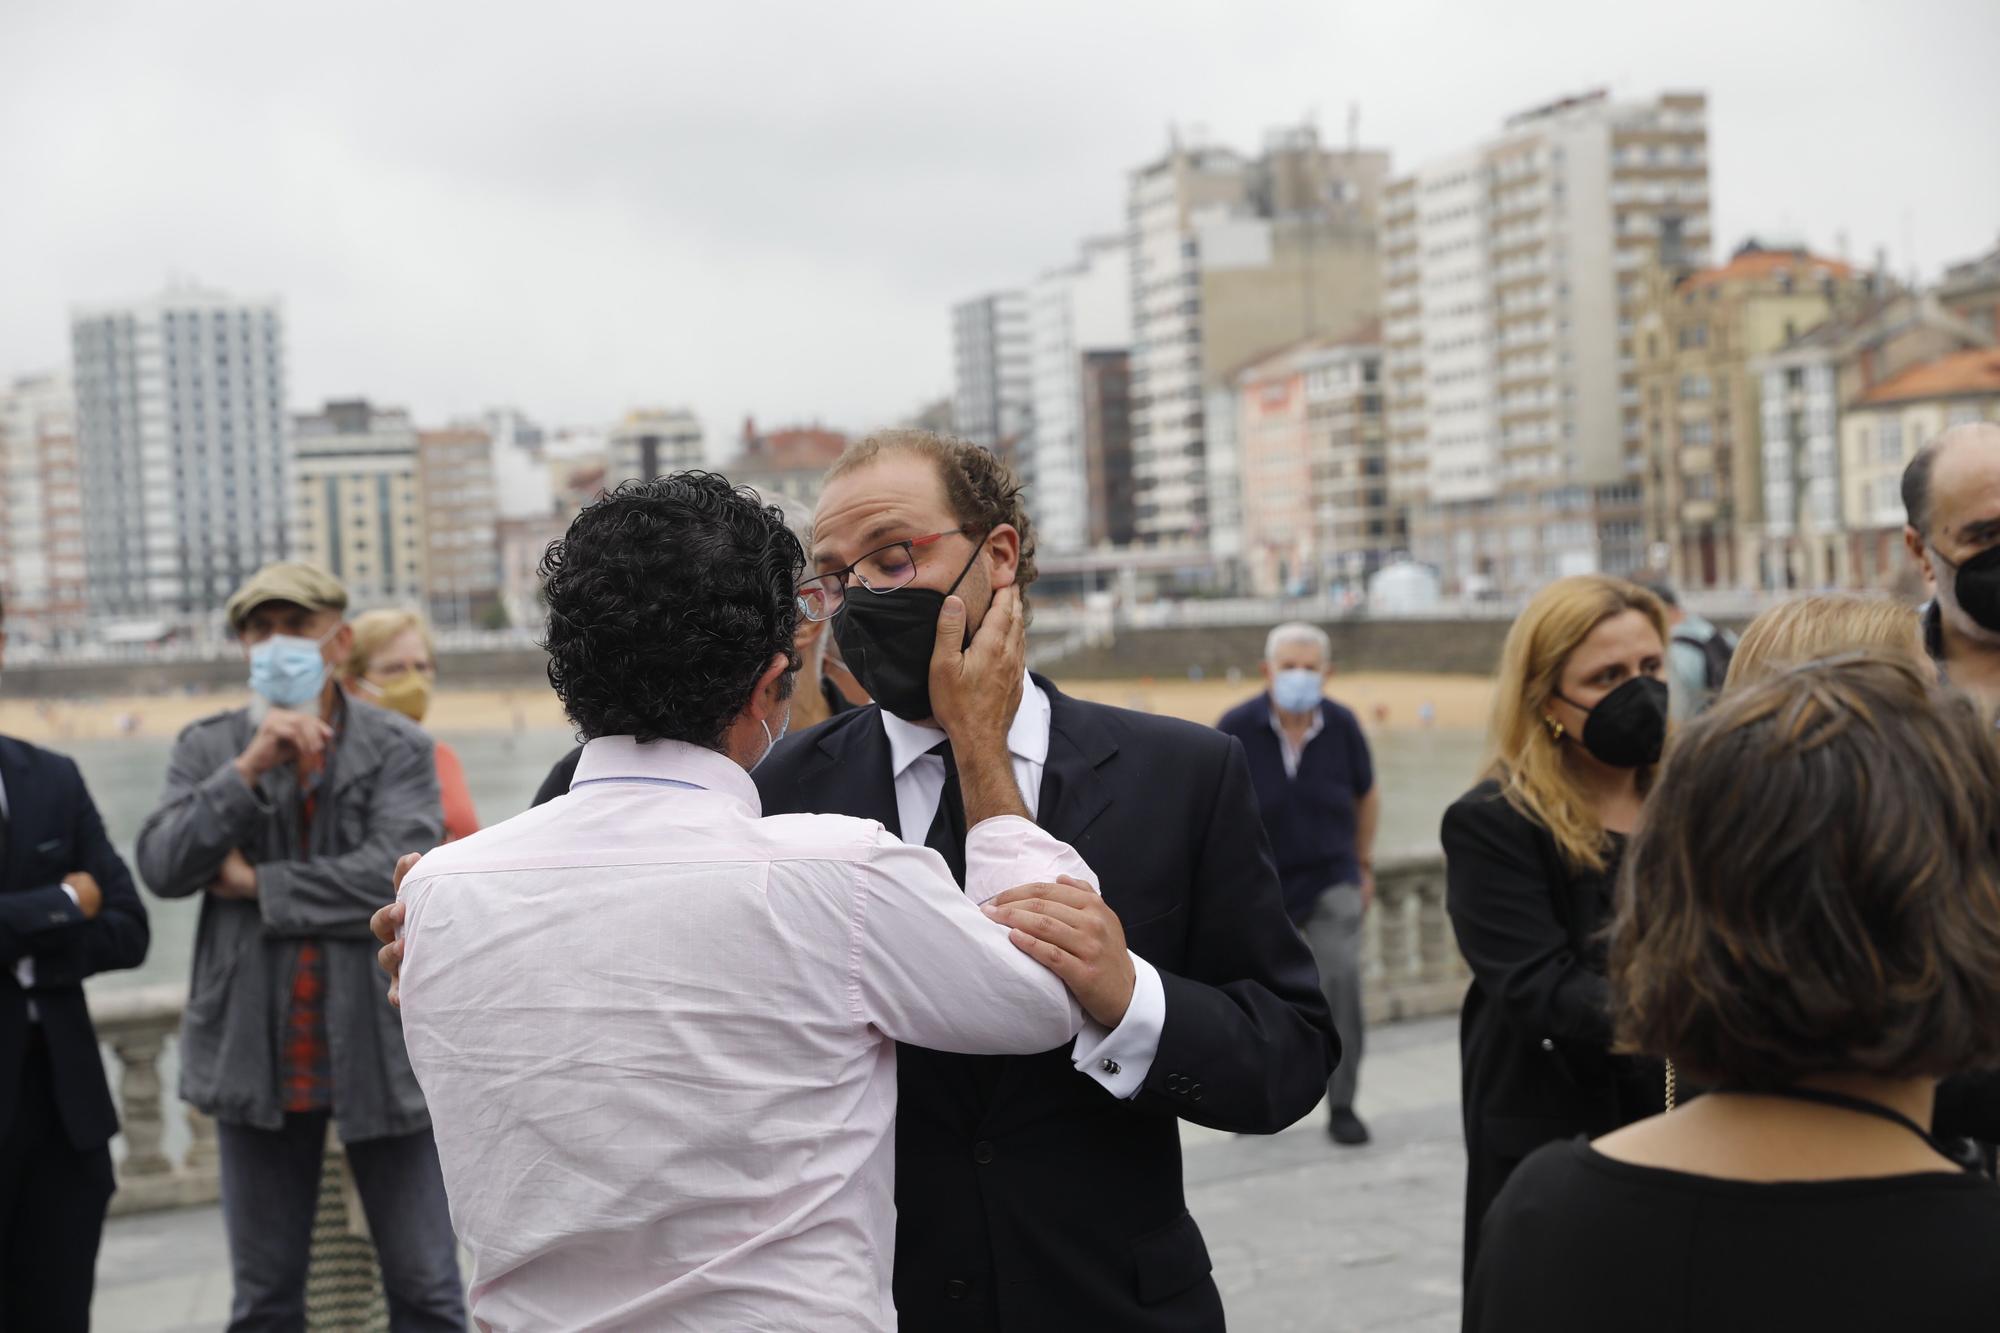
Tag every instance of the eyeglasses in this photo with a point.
(884, 569)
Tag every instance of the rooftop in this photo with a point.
(1972, 372)
(1753, 263)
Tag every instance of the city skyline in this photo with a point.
(465, 213)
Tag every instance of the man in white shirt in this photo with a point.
(657, 1032)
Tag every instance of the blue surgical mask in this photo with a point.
(288, 671)
(1296, 691)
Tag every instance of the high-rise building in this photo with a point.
(1107, 447)
(357, 506)
(1316, 504)
(1073, 311)
(1806, 383)
(653, 442)
(461, 521)
(1233, 256)
(1511, 279)
(1883, 428)
(1697, 335)
(992, 401)
(181, 428)
(41, 513)
(520, 467)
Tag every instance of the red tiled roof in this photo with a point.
(1974, 371)
(1755, 265)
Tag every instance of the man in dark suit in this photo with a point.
(67, 909)
(1044, 1192)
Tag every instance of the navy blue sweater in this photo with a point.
(1310, 819)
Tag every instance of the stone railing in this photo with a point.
(1412, 970)
(136, 1025)
(1411, 967)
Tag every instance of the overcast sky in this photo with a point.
(769, 207)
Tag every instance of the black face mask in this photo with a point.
(1975, 587)
(1628, 728)
(887, 640)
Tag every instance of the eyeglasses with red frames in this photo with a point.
(884, 569)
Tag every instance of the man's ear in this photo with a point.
(1003, 556)
(1919, 548)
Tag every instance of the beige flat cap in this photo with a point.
(292, 581)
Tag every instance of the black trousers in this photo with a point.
(52, 1202)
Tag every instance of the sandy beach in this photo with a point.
(1384, 701)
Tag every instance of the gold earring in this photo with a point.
(1554, 728)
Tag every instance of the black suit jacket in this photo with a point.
(52, 831)
(1028, 1198)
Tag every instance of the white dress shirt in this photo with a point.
(1117, 1058)
(657, 1036)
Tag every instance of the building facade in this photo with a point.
(787, 468)
(1972, 291)
(1106, 386)
(181, 426)
(1702, 421)
(1511, 282)
(41, 540)
(1232, 257)
(1880, 432)
(1805, 384)
(653, 442)
(1073, 311)
(461, 521)
(1318, 516)
(993, 390)
(357, 503)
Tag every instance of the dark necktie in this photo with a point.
(947, 835)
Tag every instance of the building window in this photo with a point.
(1889, 444)
(1694, 335)
(1694, 386)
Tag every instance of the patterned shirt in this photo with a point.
(306, 1066)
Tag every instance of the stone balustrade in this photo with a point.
(1412, 970)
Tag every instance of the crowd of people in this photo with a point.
(851, 975)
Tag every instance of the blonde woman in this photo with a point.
(394, 666)
(1531, 856)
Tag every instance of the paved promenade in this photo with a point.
(1305, 1237)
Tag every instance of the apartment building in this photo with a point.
(41, 539)
(357, 501)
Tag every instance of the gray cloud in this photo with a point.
(768, 207)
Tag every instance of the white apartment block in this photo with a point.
(1233, 256)
(993, 387)
(41, 513)
(1083, 307)
(181, 428)
(653, 442)
(1510, 280)
(357, 501)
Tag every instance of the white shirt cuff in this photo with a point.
(1120, 1058)
(75, 901)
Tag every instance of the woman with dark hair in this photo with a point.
(1808, 924)
(1531, 853)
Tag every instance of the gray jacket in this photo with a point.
(379, 799)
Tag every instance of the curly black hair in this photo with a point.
(667, 600)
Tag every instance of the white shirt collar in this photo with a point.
(1027, 737)
(621, 758)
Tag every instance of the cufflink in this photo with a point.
(1108, 1066)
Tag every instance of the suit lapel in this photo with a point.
(22, 819)
(849, 773)
(1074, 792)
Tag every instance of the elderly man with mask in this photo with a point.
(1951, 491)
(1316, 792)
(285, 818)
